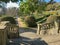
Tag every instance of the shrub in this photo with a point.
(30, 20)
(11, 19)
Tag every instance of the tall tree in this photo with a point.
(30, 6)
(51, 2)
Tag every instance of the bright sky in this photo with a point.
(12, 4)
(54, 0)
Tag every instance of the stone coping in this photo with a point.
(3, 24)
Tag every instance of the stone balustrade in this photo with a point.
(7, 30)
(47, 28)
(13, 31)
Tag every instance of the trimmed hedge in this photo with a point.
(42, 19)
(11, 19)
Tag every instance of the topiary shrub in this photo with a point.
(11, 19)
(30, 20)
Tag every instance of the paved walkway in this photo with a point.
(52, 39)
(29, 37)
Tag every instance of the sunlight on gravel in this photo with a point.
(30, 35)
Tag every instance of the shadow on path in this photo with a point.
(22, 30)
(27, 41)
(39, 42)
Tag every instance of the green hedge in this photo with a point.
(11, 19)
(42, 19)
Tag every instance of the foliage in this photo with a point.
(50, 12)
(30, 20)
(49, 7)
(51, 2)
(11, 19)
(30, 6)
(42, 19)
(54, 6)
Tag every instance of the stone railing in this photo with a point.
(8, 30)
(13, 30)
(47, 28)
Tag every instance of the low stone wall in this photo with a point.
(47, 29)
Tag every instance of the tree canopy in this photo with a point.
(30, 6)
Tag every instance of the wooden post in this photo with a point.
(39, 29)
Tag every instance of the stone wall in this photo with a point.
(3, 33)
(47, 29)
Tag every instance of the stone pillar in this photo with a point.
(39, 29)
(3, 32)
(3, 35)
(56, 27)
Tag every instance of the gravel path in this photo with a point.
(29, 37)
